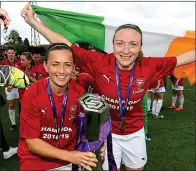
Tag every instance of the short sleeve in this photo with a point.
(30, 116)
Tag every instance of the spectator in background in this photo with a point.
(38, 63)
(18, 56)
(36, 56)
(41, 59)
(177, 93)
(156, 91)
(11, 93)
(33, 73)
(2, 53)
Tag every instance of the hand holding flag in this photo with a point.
(27, 13)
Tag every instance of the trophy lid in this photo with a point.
(93, 103)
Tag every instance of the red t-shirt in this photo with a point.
(16, 63)
(37, 121)
(35, 72)
(155, 84)
(88, 82)
(102, 68)
(174, 80)
(41, 72)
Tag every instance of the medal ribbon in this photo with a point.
(123, 108)
(50, 96)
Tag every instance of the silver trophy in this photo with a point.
(96, 122)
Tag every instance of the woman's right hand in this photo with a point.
(84, 159)
(28, 14)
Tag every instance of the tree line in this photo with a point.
(14, 39)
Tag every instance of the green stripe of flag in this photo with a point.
(75, 26)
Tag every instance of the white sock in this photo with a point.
(158, 106)
(181, 100)
(154, 104)
(149, 104)
(174, 98)
(12, 116)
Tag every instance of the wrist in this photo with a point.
(63, 155)
(32, 22)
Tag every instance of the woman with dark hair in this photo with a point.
(32, 72)
(48, 121)
(122, 78)
(27, 64)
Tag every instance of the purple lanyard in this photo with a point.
(124, 108)
(50, 96)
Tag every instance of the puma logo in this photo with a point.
(44, 110)
(106, 77)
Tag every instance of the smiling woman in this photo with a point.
(47, 104)
(127, 43)
(59, 64)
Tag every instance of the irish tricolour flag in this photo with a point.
(98, 30)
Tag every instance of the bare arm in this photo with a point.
(50, 35)
(42, 148)
(186, 58)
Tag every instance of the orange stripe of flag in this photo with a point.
(179, 46)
